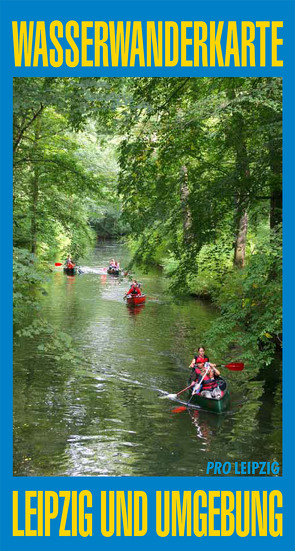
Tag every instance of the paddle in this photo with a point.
(199, 384)
(234, 366)
(195, 392)
(174, 396)
(231, 366)
(179, 409)
(61, 264)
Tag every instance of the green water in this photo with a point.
(106, 417)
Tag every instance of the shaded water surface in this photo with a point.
(105, 417)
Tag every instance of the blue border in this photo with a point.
(164, 10)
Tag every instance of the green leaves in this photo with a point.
(179, 163)
(55, 343)
(192, 165)
(251, 304)
(57, 172)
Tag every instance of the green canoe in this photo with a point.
(216, 405)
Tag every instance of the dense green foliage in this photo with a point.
(61, 177)
(191, 168)
(65, 177)
(201, 185)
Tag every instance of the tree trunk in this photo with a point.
(35, 190)
(23, 127)
(184, 195)
(237, 138)
(240, 243)
(242, 164)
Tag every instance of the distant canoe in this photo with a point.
(135, 299)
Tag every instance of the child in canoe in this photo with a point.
(197, 366)
(206, 382)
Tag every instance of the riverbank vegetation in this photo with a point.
(188, 169)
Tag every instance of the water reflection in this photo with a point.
(135, 309)
(71, 279)
(104, 417)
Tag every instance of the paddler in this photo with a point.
(69, 263)
(134, 289)
(206, 382)
(198, 362)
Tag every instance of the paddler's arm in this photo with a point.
(216, 372)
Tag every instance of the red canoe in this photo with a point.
(135, 299)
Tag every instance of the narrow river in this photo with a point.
(105, 417)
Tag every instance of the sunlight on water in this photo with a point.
(105, 418)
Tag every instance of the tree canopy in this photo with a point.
(189, 168)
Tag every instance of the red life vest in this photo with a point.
(200, 360)
(134, 290)
(208, 383)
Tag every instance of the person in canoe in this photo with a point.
(134, 289)
(200, 359)
(198, 362)
(69, 263)
(206, 383)
(112, 263)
